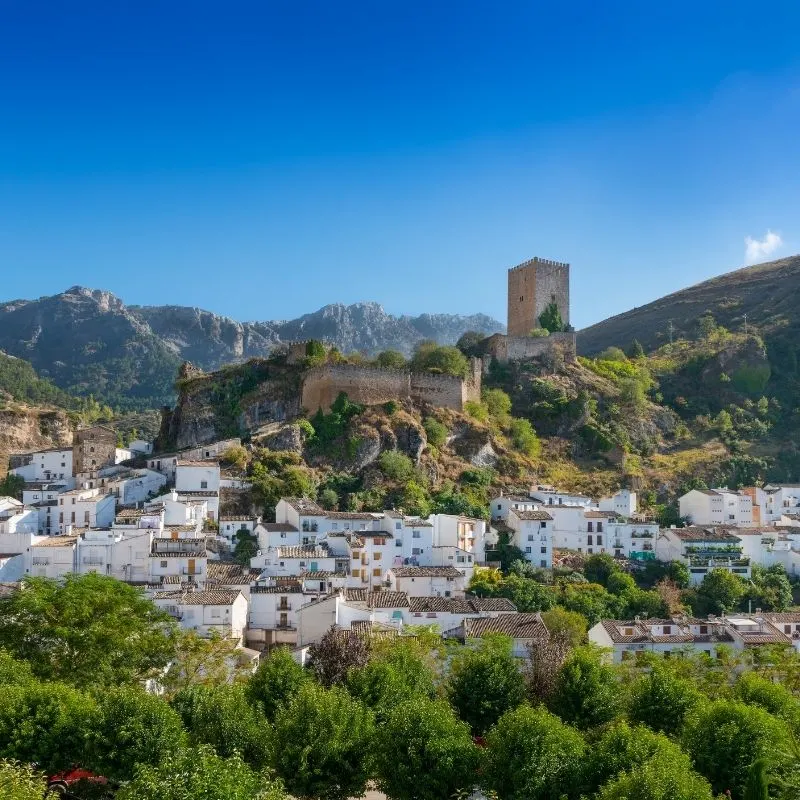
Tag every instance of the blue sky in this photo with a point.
(263, 159)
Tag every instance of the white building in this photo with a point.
(179, 512)
(533, 534)
(716, 507)
(85, 508)
(626, 638)
(181, 554)
(550, 496)
(273, 613)
(427, 581)
(54, 464)
(132, 486)
(51, 556)
(503, 503)
(141, 447)
(199, 480)
(229, 526)
(702, 550)
(221, 611)
(624, 503)
(18, 518)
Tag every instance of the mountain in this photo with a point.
(87, 341)
(767, 294)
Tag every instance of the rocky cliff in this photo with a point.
(24, 428)
(89, 342)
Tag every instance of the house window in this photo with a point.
(86, 517)
(543, 525)
(599, 540)
(376, 572)
(164, 564)
(599, 528)
(398, 525)
(589, 526)
(204, 484)
(73, 516)
(589, 540)
(334, 526)
(543, 564)
(73, 501)
(376, 556)
(527, 549)
(704, 629)
(417, 551)
(356, 556)
(415, 534)
(530, 537)
(499, 507)
(544, 549)
(398, 543)
(380, 541)
(628, 632)
(61, 517)
(667, 630)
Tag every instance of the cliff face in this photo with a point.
(23, 428)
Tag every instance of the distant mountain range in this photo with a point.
(87, 341)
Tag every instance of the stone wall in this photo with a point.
(532, 286)
(372, 386)
(524, 348)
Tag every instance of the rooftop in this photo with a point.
(210, 597)
(530, 515)
(517, 626)
(426, 572)
(56, 541)
(305, 506)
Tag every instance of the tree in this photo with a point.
(20, 781)
(201, 661)
(485, 683)
(498, 404)
(315, 352)
(612, 354)
(720, 591)
(89, 630)
(12, 486)
(335, 654)
(773, 697)
(471, 343)
(599, 568)
(661, 700)
(771, 589)
(391, 359)
(551, 320)
(323, 744)
(436, 432)
(524, 437)
(532, 755)
(200, 773)
(49, 724)
(245, 548)
(622, 748)
(222, 717)
(568, 624)
(278, 678)
(757, 786)
(134, 727)
(438, 755)
(725, 737)
(636, 350)
(658, 780)
(545, 659)
(395, 465)
(586, 692)
(431, 357)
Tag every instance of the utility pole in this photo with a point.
(745, 324)
(670, 331)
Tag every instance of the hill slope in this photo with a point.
(767, 293)
(88, 341)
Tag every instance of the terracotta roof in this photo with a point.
(319, 574)
(518, 626)
(304, 551)
(211, 597)
(7, 589)
(358, 515)
(449, 605)
(492, 604)
(279, 527)
(179, 529)
(426, 572)
(600, 514)
(355, 595)
(287, 588)
(417, 523)
(56, 541)
(199, 493)
(131, 513)
(530, 515)
(305, 506)
(641, 631)
(782, 616)
(377, 599)
(372, 534)
(230, 574)
(182, 554)
(237, 518)
(209, 462)
(696, 533)
(170, 579)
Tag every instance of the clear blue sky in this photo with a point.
(263, 159)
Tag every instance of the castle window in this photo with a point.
(521, 298)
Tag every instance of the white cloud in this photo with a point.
(758, 249)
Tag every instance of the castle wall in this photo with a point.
(523, 348)
(372, 386)
(532, 286)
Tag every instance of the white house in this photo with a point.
(184, 558)
(503, 503)
(525, 630)
(273, 612)
(716, 507)
(702, 550)
(85, 508)
(54, 464)
(229, 526)
(216, 610)
(18, 518)
(533, 534)
(427, 581)
(624, 503)
(179, 512)
(550, 496)
(141, 447)
(51, 556)
(133, 486)
(199, 480)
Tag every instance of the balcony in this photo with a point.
(285, 626)
(93, 561)
(284, 606)
(40, 562)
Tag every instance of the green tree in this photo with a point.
(201, 661)
(586, 692)
(391, 359)
(50, 724)
(773, 697)
(725, 737)
(599, 568)
(524, 437)
(771, 589)
(636, 350)
(323, 744)
(532, 755)
(20, 781)
(658, 780)
(560, 622)
(720, 591)
(222, 717)
(14, 671)
(551, 320)
(134, 727)
(12, 486)
(278, 678)
(438, 755)
(757, 786)
(315, 352)
(498, 403)
(471, 343)
(661, 700)
(431, 357)
(245, 548)
(612, 354)
(622, 748)
(89, 630)
(485, 682)
(335, 654)
(199, 773)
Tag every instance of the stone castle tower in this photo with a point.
(532, 286)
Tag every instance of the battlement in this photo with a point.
(376, 385)
(536, 260)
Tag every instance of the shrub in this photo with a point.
(524, 437)
(396, 465)
(435, 431)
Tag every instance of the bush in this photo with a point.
(396, 465)
(539, 333)
(435, 431)
(524, 437)
(391, 359)
(477, 411)
(431, 357)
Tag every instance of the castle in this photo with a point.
(532, 287)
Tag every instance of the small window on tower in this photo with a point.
(521, 298)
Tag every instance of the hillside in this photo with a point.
(88, 341)
(767, 293)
